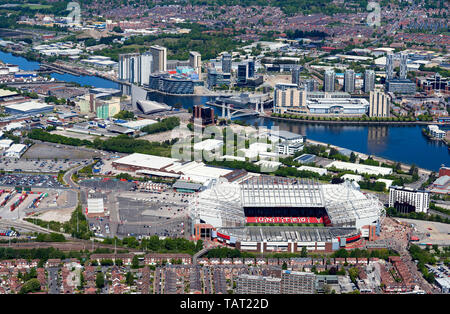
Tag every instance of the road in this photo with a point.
(68, 176)
(53, 281)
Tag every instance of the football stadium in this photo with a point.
(267, 213)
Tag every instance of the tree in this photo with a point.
(199, 245)
(100, 280)
(352, 157)
(135, 262)
(31, 285)
(304, 252)
(129, 279)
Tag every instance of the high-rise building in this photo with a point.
(242, 73)
(129, 67)
(289, 95)
(195, 62)
(349, 81)
(217, 78)
(159, 58)
(311, 85)
(226, 63)
(403, 66)
(369, 81)
(296, 70)
(378, 104)
(389, 66)
(144, 68)
(251, 68)
(203, 114)
(251, 284)
(407, 200)
(295, 282)
(328, 81)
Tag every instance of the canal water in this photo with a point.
(400, 143)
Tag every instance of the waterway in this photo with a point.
(406, 144)
(400, 143)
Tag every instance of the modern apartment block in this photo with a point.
(128, 67)
(369, 81)
(295, 282)
(329, 80)
(251, 284)
(296, 70)
(159, 58)
(291, 282)
(349, 81)
(195, 62)
(407, 200)
(226, 63)
(378, 104)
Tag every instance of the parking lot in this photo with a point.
(110, 184)
(31, 180)
(59, 151)
(439, 271)
(41, 166)
(148, 213)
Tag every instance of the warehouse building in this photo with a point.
(138, 161)
(28, 107)
(16, 150)
(360, 168)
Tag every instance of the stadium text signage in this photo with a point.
(285, 220)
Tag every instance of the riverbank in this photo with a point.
(404, 167)
(342, 122)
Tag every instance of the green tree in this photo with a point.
(135, 262)
(304, 252)
(100, 280)
(31, 285)
(129, 279)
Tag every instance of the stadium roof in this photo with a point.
(287, 233)
(281, 192)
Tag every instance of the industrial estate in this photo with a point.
(170, 148)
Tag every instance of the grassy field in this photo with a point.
(37, 6)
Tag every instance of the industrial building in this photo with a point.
(138, 161)
(95, 207)
(29, 107)
(15, 150)
(360, 168)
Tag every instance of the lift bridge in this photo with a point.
(229, 112)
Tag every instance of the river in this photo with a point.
(400, 143)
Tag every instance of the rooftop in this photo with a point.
(268, 192)
(145, 161)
